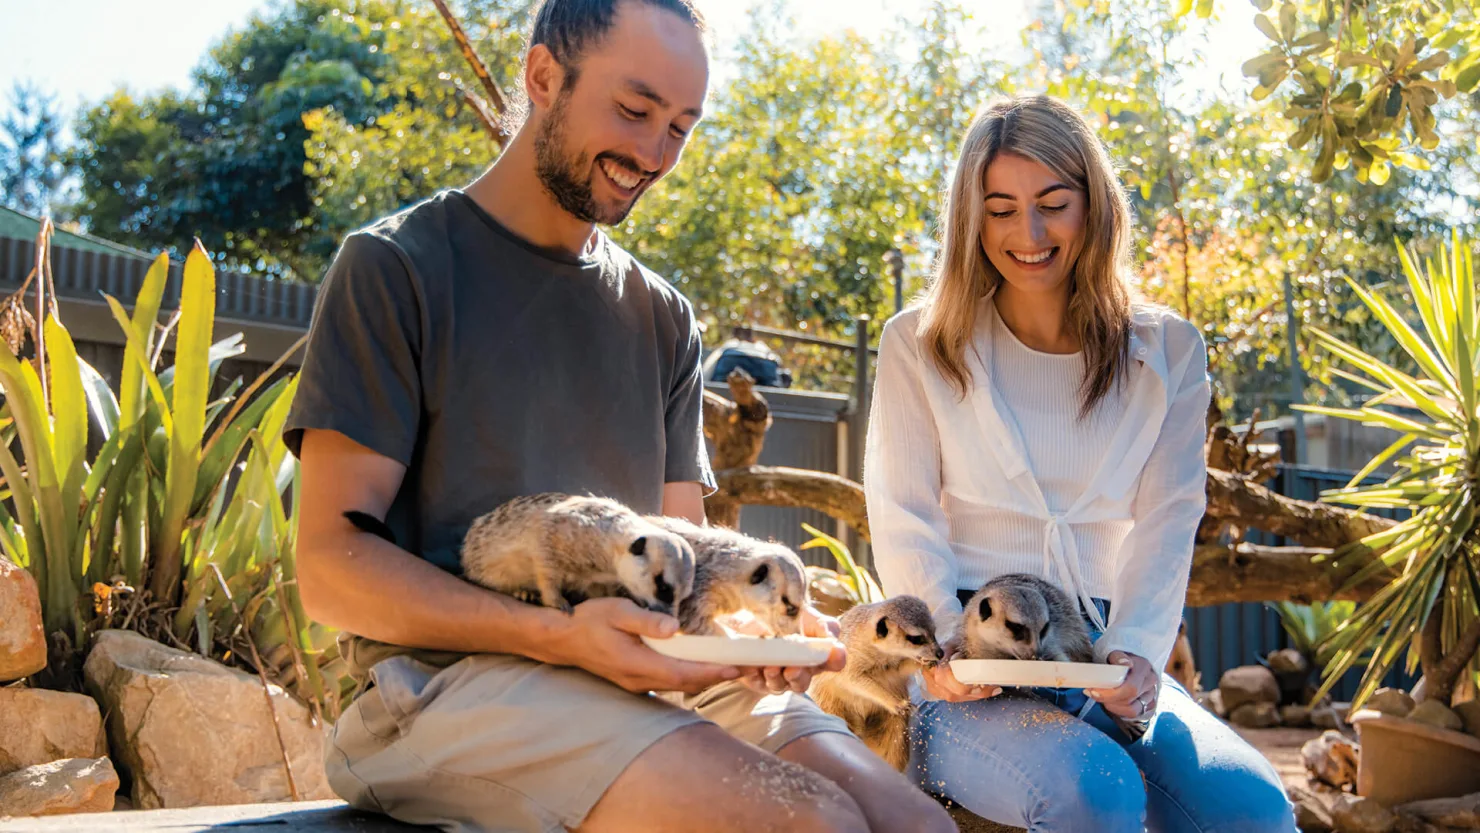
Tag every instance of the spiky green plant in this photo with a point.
(855, 579)
(1430, 558)
(1308, 627)
(186, 494)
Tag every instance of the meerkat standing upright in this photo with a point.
(887, 643)
(735, 572)
(1021, 616)
(558, 550)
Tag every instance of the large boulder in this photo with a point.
(22, 639)
(1255, 716)
(1331, 759)
(1248, 684)
(1295, 715)
(1311, 814)
(39, 726)
(189, 731)
(76, 785)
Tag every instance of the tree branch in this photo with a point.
(830, 494)
(495, 96)
(1309, 524)
(1249, 573)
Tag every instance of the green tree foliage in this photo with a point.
(32, 175)
(1362, 82)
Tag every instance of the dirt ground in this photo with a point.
(1282, 748)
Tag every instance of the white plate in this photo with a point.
(744, 650)
(1016, 672)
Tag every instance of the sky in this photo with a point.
(80, 50)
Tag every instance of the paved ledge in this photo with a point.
(325, 816)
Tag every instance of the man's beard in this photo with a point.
(561, 174)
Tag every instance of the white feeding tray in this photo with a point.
(1030, 673)
(794, 651)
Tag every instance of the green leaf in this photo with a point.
(1180, 8)
(1266, 26)
(146, 314)
(1467, 80)
(134, 357)
(69, 410)
(1204, 9)
(1379, 172)
(100, 400)
(1287, 19)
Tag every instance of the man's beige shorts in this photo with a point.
(502, 743)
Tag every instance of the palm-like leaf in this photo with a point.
(1430, 556)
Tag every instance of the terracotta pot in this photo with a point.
(1403, 761)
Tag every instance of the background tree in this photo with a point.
(32, 173)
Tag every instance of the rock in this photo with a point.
(1355, 814)
(1295, 715)
(22, 639)
(1248, 684)
(1435, 713)
(1288, 661)
(1255, 716)
(1469, 715)
(188, 731)
(1451, 813)
(39, 726)
(1331, 759)
(1213, 702)
(1391, 701)
(75, 785)
(1311, 814)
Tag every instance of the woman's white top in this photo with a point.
(1010, 480)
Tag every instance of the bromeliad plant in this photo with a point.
(184, 497)
(837, 590)
(1429, 604)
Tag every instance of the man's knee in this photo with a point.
(1101, 790)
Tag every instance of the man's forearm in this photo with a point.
(372, 588)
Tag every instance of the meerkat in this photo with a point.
(1021, 616)
(887, 643)
(558, 550)
(734, 573)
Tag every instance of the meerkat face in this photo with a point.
(907, 640)
(1016, 623)
(775, 589)
(657, 570)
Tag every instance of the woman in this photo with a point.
(1030, 417)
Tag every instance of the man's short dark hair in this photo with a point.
(568, 27)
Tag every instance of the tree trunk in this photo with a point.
(1249, 573)
(1310, 524)
(1442, 671)
(738, 430)
(831, 494)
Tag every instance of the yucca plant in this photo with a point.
(186, 493)
(1429, 605)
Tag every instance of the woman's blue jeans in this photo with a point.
(1025, 758)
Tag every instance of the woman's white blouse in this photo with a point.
(953, 499)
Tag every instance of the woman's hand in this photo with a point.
(1134, 699)
(941, 682)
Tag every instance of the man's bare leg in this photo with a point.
(888, 800)
(700, 778)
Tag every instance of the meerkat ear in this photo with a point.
(986, 609)
(760, 574)
(883, 627)
(639, 546)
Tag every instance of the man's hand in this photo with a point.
(941, 682)
(1134, 699)
(601, 636)
(774, 680)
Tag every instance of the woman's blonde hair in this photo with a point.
(1051, 133)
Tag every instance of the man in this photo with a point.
(492, 342)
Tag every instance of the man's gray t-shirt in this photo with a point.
(493, 368)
